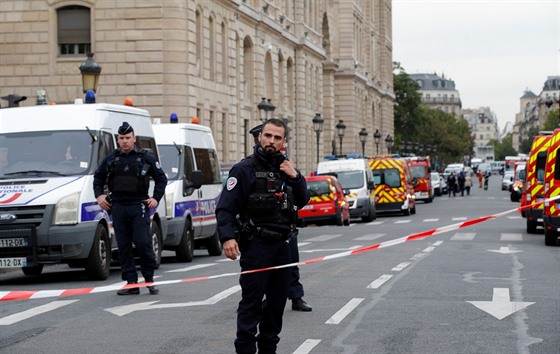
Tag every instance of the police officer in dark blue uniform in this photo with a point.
(296, 288)
(127, 171)
(264, 190)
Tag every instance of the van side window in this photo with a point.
(148, 144)
(106, 146)
(207, 162)
(189, 163)
(540, 166)
(557, 167)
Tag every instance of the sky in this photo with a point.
(494, 50)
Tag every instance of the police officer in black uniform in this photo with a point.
(264, 190)
(127, 172)
(296, 288)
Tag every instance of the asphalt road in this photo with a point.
(485, 288)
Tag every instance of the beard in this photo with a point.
(270, 150)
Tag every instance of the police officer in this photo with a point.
(296, 288)
(127, 172)
(265, 190)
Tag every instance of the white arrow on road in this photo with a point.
(500, 306)
(125, 310)
(505, 250)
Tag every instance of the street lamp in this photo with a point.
(90, 71)
(265, 109)
(318, 127)
(377, 137)
(389, 143)
(340, 127)
(363, 136)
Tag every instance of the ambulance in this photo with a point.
(190, 160)
(534, 185)
(48, 211)
(356, 178)
(551, 212)
(393, 184)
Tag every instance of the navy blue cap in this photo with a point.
(125, 128)
(256, 130)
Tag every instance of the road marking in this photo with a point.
(379, 281)
(324, 237)
(194, 267)
(428, 249)
(24, 315)
(151, 305)
(345, 311)
(301, 244)
(401, 266)
(437, 243)
(331, 249)
(458, 219)
(417, 256)
(375, 223)
(500, 306)
(430, 220)
(506, 250)
(515, 217)
(369, 237)
(511, 237)
(402, 221)
(307, 346)
(463, 236)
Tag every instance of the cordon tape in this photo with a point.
(40, 294)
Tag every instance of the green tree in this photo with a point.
(552, 120)
(505, 148)
(407, 105)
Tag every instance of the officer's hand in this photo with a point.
(231, 249)
(288, 168)
(103, 203)
(151, 203)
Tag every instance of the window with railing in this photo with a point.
(73, 30)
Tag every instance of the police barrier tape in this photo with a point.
(40, 294)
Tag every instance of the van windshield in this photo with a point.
(45, 154)
(389, 177)
(318, 188)
(418, 171)
(351, 179)
(170, 160)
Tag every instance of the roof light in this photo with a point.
(128, 102)
(90, 96)
(173, 118)
(195, 120)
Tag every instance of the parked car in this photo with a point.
(436, 183)
(327, 202)
(507, 180)
(443, 183)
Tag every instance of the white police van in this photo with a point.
(189, 158)
(356, 178)
(48, 211)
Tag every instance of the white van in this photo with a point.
(189, 158)
(48, 211)
(356, 178)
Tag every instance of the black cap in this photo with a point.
(256, 130)
(125, 128)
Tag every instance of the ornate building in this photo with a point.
(215, 59)
(438, 93)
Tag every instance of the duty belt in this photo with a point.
(271, 235)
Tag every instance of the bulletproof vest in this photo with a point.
(272, 201)
(127, 177)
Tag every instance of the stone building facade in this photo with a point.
(214, 59)
(437, 92)
(484, 127)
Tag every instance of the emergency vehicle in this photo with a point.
(356, 178)
(551, 213)
(189, 158)
(510, 161)
(534, 186)
(326, 203)
(519, 178)
(393, 184)
(420, 169)
(48, 211)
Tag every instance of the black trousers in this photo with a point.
(133, 227)
(253, 313)
(296, 289)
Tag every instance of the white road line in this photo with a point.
(345, 311)
(515, 217)
(324, 237)
(402, 221)
(401, 266)
(511, 237)
(307, 346)
(301, 244)
(369, 237)
(428, 249)
(437, 243)
(430, 220)
(375, 223)
(17, 317)
(463, 236)
(379, 281)
(331, 249)
(459, 219)
(417, 256)
(194, 267)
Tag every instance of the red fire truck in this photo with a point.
(420, 169)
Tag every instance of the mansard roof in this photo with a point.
(528, 94)
(433, 82)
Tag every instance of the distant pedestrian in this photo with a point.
(480, 176)
(461, 182)
(451, 184)
(468, 183)
(486, 178)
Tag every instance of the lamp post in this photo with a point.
(266, 108)
(90, 71)
(363, 136)
(389, 142)
(318, 127)
(377, 137)
(340, 127)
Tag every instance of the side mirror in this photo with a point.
(194, 183)
(370, 185)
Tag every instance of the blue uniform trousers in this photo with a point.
(253, 312)
(132, 224)
(296, 289)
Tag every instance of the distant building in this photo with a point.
(484, 127)
(438, 92)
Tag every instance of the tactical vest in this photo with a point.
(272, 202)
(125, 177)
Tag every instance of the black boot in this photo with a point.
(153, 289)
(300, 305)
(129, 291)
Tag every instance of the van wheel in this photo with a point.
(33, 270)
(531, 227)
(214, 246)
(98, 263)
(338, 218)
(550, 237)
(370, 217)
(185, 250)
(156, 243)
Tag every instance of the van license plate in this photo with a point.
(13, 262)
(13, 242)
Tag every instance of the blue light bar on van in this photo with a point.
(346, 156)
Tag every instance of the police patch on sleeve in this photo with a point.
(231, 183)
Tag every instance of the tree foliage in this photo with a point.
(505, 148)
